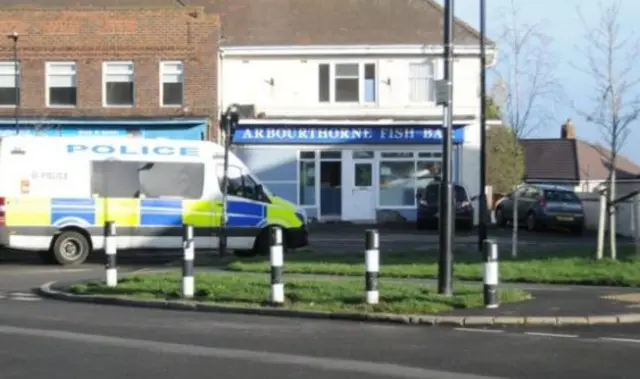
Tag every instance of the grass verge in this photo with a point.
(568, 266)
(342, 294)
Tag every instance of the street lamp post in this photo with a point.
(482, 224)
(230, 121)
(445, 264)
(16, 72)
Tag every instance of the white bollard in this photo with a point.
(276, 255)
(111, 251)
(372, 266)
(188, 245)
(490, 290)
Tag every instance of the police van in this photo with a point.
(56, 193)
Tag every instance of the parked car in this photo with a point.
(541, 206)
(428, 211)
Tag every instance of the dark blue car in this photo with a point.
(543, 206)
(428, 211)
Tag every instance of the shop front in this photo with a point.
(346, 170)
(182, 128)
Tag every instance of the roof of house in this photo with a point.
(307, 22)
(572, 160)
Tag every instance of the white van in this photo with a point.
(56, 193)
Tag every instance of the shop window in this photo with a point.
(402, 176)
(172, 79)
(347, 83)
(331, 154)
(9, 83)
(397, 184)
(118, 82)
(426, 171)
(307, 183)
(422, 82)
(61, 84)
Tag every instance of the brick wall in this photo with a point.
(90, 37)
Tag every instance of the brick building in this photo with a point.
(84, 71)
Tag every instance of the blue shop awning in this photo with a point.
(334, 132)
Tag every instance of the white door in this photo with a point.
(358, 200)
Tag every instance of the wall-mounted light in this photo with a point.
(387, 81)
(270, 81)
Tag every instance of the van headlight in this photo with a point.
(301, 214)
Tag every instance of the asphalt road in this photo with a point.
(61, 340)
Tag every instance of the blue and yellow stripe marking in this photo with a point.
(73, 211)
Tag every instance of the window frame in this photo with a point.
(162, 71)
(315, 161)
(47, 79)
(434, 77)
(361, 82)
(15, 66)
(105, 74)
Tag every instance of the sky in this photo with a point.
(561, 22)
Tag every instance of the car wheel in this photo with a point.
(500, 220)
(71, 248)
(532, 223)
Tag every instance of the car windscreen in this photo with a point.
(432, 193)
(555, 196)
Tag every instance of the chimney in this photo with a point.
(568, 131)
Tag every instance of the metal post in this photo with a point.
(230, 121)
(16, 72)
(188, 246)
(602, 224)
(482, 224)
(372, 265)
(490, 250)
(276, 257)
(445, 285)
(111, 251)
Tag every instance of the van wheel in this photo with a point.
(262, 247)
(71, 248)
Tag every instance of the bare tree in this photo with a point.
(611, 63)
(527, 74)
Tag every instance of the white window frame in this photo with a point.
(164, 70)
(49, 73)
(13, 67)
(434, 76)
(316, 162)
(415, 158)
(105, 74)
(361, 87)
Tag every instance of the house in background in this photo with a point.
(108, 71)
(581, 165)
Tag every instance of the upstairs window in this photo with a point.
(172, 84)
(61, 84)
(422, 86)
(9, 84)
(118, 82)
(347, 83)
